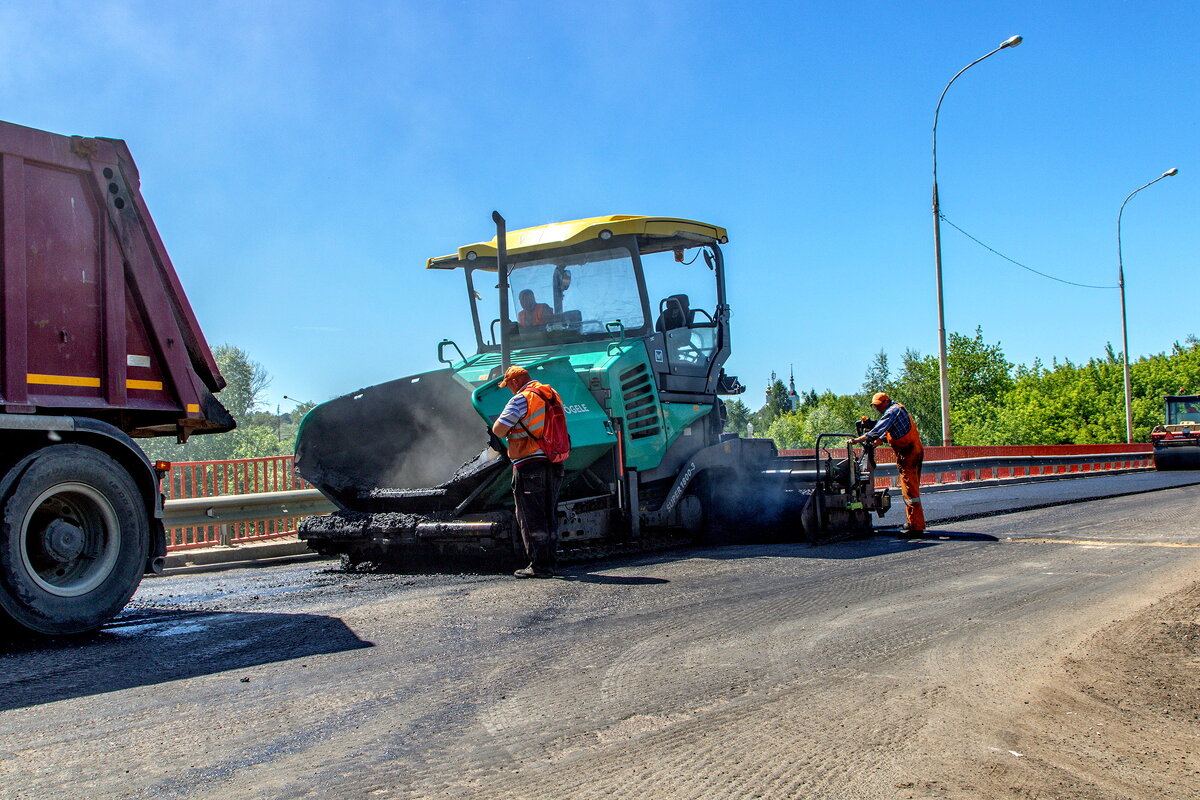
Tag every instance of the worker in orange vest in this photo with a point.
(897, 425)
(532, 312)
(536, 479)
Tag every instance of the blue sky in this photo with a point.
(302, 159)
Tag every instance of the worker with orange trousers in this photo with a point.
(897, 425)
(536, 480)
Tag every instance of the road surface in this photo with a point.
(875, 668)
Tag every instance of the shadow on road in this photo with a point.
(151, 646)
(957, 536)
(613, 580)
(879, 543)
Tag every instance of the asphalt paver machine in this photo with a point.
(627, 318)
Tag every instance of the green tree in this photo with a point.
(788, 431)
(738, 414)
(256, 434)
(980, 375)
(977, 369)
(832, 413)
(879, 376)
(777, 403)
(245, 380)
(918, 389)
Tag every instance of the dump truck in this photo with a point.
(627, 318)
(1177, 443)
(99, 347)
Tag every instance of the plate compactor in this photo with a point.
(640, 371)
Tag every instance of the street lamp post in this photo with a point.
(1124, 328)
(1012, 41)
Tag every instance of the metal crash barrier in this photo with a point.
(230, 502)
(998, 468)
(213, 503)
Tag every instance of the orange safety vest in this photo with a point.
(520, 444)
(909, 439)
(538, 317)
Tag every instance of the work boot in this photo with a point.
(909, 530)
(535, 572)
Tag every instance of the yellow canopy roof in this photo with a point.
(563, 234)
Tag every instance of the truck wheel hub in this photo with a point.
(71, 539)
(62, 541)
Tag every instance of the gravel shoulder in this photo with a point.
(1116, 719)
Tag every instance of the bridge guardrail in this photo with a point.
(228, 519)
(987, 468)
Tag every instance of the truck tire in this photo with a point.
(74, 535)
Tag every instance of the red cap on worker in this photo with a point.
(880, 397)
(515, 376)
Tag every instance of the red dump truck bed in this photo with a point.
(98, 344)
(94, 320)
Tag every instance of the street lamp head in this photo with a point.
(1012, 41)
(1170, 172)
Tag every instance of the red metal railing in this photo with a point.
(236, 476)
(885, 455)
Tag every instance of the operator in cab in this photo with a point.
(536, 479)
(901, 431)
(532, 312)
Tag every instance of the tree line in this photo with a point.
(992, 400)
(259, 432)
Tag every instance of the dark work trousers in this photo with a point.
(535, 494)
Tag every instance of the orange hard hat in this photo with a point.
(879, 398)
(515, 376)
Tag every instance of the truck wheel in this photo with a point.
(73, 541)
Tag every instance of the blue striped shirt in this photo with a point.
(895, 420)
(515, 410)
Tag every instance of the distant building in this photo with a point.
(793, 399)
